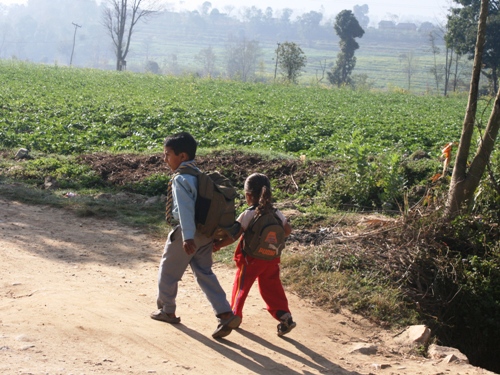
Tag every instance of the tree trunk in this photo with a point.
(447, 70)
(494, 74)
(464, 183)
(119, 20)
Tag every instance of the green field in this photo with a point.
(70, 111)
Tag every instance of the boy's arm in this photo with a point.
(185, 191)
(218, 244)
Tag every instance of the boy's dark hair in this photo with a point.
(182, 142)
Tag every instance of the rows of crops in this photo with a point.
(69, 111)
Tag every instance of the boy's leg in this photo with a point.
(243, 280)
(172, 266)
(201, 264)
(272, 291)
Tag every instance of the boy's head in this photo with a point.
(178, 148)
(182, 142)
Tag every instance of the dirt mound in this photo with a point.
(286, 174)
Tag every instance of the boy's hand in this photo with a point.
(189, 247)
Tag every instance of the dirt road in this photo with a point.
(76, 294)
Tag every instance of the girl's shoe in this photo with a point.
(286, 324)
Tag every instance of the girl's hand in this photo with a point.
(216, 246)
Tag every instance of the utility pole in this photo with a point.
(74, 39)
(276, 66)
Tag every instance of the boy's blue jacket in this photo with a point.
(184, 193)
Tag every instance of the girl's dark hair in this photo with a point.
(259, 186)
(182, 142)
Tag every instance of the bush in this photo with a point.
(155, 184)
(367, 181)
(67, 173)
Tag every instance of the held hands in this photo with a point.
(223, 242)
(189, 247)
(216, 245)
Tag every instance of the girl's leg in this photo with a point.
(272, 291)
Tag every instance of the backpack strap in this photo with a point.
(188, 168)
(256, 217)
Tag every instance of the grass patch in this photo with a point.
(333, 279)
(122, 208)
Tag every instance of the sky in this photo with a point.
(405, 10)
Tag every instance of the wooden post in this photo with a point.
(74, 39)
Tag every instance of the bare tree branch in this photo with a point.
(120, 18)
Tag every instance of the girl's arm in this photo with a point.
(288, 228)
(218, 244)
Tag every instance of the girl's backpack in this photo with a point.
(265, 237)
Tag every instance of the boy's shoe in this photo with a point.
(165, 317)
(286, 324)
(225, 326)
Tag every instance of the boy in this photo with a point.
(184, 245)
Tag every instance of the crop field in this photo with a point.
(70, 111)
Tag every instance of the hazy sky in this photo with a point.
(406, 10)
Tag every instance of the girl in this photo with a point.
(258, 197)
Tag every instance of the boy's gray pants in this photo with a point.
(174, 263)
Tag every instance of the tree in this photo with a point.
(466, 178)
(410, 66)
(152, 67)
(436, 69)
(241, 58)
(205, 8)
(291, 59)
(207, 58)
(120, 19)
(360, 12)
(309, 25)
(347, 28)
(462, 28)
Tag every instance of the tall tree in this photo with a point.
(466, 178)
(241, 58)
(309, 25)
(435, 70)
(462, 28)
(120, 18)
(291, 59)
(410, 66)
(207, 58)
(360, 12)
(347, 28)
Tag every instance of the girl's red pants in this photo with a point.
(267, 274)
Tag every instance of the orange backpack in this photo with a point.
(265, 237)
